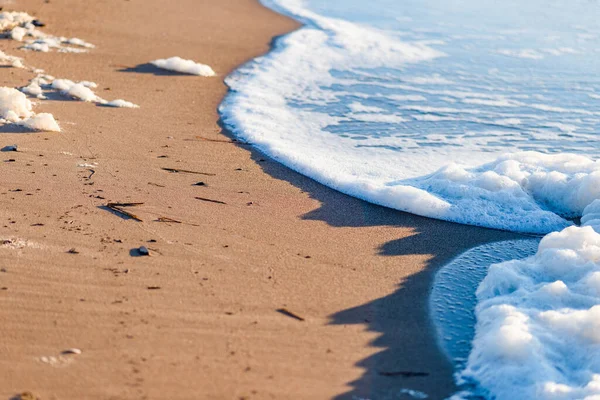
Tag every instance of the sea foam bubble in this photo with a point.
(538, 320)
(178, 64)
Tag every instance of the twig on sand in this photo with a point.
(167, 219)
(177, 170)
(117, 207)
(174, 221)
(289, 314)
(210, 200)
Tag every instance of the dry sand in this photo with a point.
(358, 274)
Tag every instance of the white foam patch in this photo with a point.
(80, 91)
(14, 105)
(33, 89)
(41, 122)
(526, 191)
(179, 64)
(19, 27)
(35, 86)
(12, 19)
(120, 103)
(42, 85)
(16, 108)
(46, 43)
(538, 320)
(12, 61)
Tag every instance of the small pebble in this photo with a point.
(10, 148)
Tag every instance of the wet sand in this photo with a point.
(198, 318)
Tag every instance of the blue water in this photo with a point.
(453, 298)
(539, 55)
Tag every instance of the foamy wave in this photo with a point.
(276, 104)
(538, 320)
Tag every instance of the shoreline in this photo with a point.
(358, 274)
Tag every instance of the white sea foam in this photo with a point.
(13, 61)
(19, 26)
(16, 108)
(179, 64)
(42, 85)
(11, 19)
(120, 103)
(14, 105)
(41, 122)
(538, 320)
(80, 90)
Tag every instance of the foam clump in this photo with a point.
(45, 43)
(41, 122)
(538, 320)
(19, 26)
(16, 108)
(41, 85)
(9, 60)
(179, 64)
(120, 103)
(14, 105)
(80, 91)
(526, 191)
(34, 89)
(11, 19)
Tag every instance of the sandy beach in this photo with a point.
(198, 318)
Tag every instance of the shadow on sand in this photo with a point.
(14, 128)
(148, 68)
(410, 356)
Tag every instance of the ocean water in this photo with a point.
(477, 112)
(404, 104)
